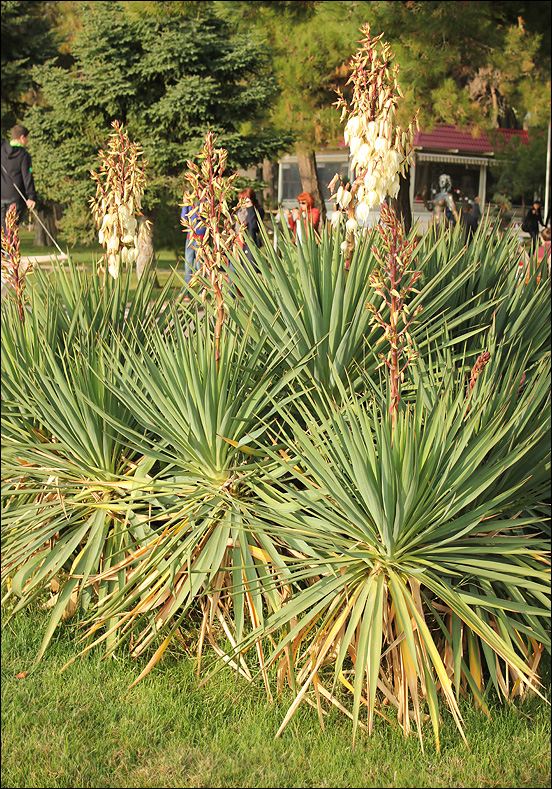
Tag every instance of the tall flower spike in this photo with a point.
(380, 150)
(12, 269)
(120, 184)
(392, 282)
(209, 190)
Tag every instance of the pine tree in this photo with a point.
(27, 38)
(168, 80)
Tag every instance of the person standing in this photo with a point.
(307, 212)
(194, 230)
(249, 217)
(17, 174)
(531, 224)
(475, 215)
(466, 219)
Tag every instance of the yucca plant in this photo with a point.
(65, 473)
(417, 579)
(195, 414)
(402, 500)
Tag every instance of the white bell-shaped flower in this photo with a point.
(354, 144)
(371, 131)
(351, 225)
(113, 265)
(131, 224)
(345, 198)
(113, 244)
(372, 199)
(363, 155)
(393, 160)
(370, 181)
(335, 218)
(124, 213)
(394, 186)
(362, 212)
(353, 126)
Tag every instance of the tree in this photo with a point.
(311, 44)
(27, 38)
(168, 80)
(475, 65)
(520, 167)
(304, 97)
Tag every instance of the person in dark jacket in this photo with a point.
(532, 223)
(475, 214)
(466, 219)
(17, 174)
(249, 218)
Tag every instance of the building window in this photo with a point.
(290, 181)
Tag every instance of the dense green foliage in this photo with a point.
(167, 80)
(268, 494)
(28, 38)
(520, 167)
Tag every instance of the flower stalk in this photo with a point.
(209, 191)
(12, 269)
(120, 184)
(393, 281)
(380, 149)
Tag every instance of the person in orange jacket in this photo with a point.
(307, 211)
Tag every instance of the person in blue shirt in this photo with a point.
(195, 230)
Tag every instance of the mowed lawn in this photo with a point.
(88, 256)
(85, 728)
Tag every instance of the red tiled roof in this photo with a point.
(449, 138)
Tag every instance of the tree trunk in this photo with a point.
(401, 204)
(310, 181)
(268, 176)
(494, 119)
(146, 250)
(49, 214)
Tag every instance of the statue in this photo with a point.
(443, 201)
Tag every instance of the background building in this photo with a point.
(463, 155)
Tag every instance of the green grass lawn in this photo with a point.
(85, 728)
(87, 256)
